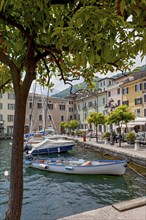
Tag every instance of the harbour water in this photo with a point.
(49, 196)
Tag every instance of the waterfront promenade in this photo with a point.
(127, 210)
(134, 210)
(126, 151)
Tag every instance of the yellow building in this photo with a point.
(134, 93)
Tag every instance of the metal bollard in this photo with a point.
(137, 145)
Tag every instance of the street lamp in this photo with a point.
(109, 108)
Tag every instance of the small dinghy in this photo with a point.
(110, 167)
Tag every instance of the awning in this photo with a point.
(131, 125)
(138, 121)
(124, 126)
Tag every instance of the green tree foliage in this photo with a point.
(71, 125)
(67, 36)
(121, 115)
(96, 119)
(64, 38)
(74, 124)
(5, 78)
(62, 126)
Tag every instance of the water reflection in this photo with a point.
(49, 196)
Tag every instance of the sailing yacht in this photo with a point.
(46, 141)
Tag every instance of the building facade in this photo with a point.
(7, 107)
(134, 93)
(43, 111)
(128, 88)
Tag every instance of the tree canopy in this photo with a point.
(67, 38)
(71, 38)
(73, 124)
(70, 125)
(5, 78)
(97, 119)
(121, 115)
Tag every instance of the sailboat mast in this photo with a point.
(33, 98)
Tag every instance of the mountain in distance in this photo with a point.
(68, 91)
(83, 85)
(51, 93)
(75, 88)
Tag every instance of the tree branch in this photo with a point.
(4, 84)
(5, 59)
(48, 71)
(47, 48)
(11, 20)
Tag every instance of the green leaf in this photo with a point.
(78, 23)
(91, 57)
(87, 16)
(97, 57)
(96, 25)
(138, 11)
(83, 59)
(122, 6)
(78, 59)
(99, 35)
(104, 21)
(4, 4)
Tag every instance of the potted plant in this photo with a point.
(107, 137)
(130, 137)
(79, 133)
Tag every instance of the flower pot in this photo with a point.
(106, 140)
(130, 141)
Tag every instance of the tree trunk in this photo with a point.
(16, 174)
(120, 135)
(96, 135)
(120, 139)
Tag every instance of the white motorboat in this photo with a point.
(48, 146)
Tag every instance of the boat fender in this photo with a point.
(27, 162)
(69, 168)
(81, 161)
(44, 166)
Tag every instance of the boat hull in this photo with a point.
(49, 146)
(97, 167)
(51, 150)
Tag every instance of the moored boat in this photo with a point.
(109, 167)
(48, 146)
